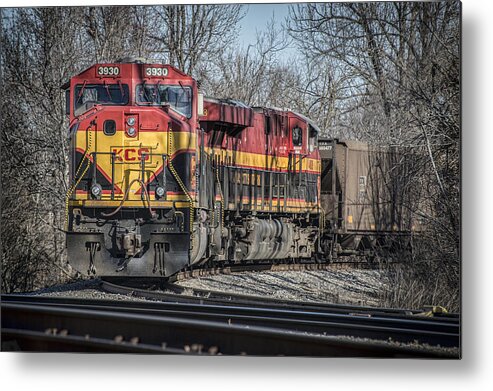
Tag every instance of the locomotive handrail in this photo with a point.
(165, 161)
(277, 174)
(278, 185)
(95, 170)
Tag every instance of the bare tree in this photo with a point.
(192, 35)
(39, 48)
(264, 74)
(399, 65)
(252, 74)
(389, 55)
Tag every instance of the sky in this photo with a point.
(257, 18)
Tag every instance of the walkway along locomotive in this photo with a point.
(163, 179)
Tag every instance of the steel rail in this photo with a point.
(27, 340)
(216, 297)
(402, 330)
(133, 329)
(258, 266)
(248, 298)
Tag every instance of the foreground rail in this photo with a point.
(53, 324)
(147, 289)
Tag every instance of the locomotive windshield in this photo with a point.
(178, 97)
(88, 95)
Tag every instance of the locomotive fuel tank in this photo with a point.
(263, 239)
(276, 238)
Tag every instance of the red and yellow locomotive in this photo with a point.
(163, 179)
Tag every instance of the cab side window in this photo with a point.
(297, 136)
(312, 139)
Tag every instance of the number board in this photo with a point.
(108, 71)
(156, 71)
(323, 146)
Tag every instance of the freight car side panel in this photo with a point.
(368, 195)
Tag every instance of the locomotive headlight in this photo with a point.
(96, 190)
(131, 121)
(159, 191)
(131, 132)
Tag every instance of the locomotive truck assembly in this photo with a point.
(164, 179)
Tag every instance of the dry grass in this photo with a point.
(412, 286)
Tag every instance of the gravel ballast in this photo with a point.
(363, 287)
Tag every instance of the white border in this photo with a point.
(79, 372)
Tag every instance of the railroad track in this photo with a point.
(143, 286)
(157, 290)
(69, 324)
(208, 322)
